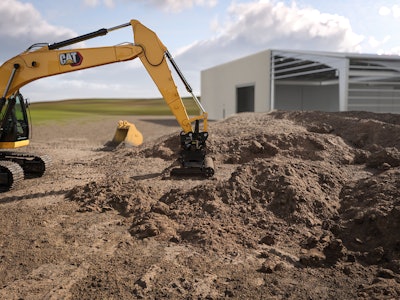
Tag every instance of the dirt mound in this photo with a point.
(310, 197)
(303, 205)
(370, 219)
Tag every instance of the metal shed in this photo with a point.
(302, 80)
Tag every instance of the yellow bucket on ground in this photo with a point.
(127, 132)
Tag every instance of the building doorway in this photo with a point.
(245, 99)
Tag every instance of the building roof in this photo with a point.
(314, 67)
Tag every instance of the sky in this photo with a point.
(199, 34)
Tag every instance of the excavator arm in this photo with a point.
(44, 60)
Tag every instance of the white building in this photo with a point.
(302, 80)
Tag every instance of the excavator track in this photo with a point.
(32, 165)
(11, 174)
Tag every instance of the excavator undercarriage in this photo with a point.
(16, 166)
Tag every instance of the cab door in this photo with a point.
(14, 126)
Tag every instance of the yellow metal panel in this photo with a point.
(154, 60)
(44, 62)
(12, 145)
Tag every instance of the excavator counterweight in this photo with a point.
(44, 60)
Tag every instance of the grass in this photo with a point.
(62, 111)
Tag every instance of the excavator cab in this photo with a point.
(14, 133)
(14, 126)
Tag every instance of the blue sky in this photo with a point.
(198, 33)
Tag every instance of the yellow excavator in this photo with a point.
(43, 60)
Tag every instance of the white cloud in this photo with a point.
(392, 51)
(384, 11)
(91, 3)
(393, 11)
(273, 24)
(22, 25)
(396, 11)
(109, 3)
(94, 3)
(374, 43)
(166, 5)
(180, 5)
(267, 24)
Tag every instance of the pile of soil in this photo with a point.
(303, 205)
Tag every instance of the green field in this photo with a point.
(66, 110)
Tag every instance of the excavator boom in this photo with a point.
(44, 60)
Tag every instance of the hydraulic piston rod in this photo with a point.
(85, 37)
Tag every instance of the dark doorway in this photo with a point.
(245, 99)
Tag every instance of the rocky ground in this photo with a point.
(303, 205)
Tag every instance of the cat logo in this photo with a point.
(71, 58)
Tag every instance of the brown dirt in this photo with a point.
(304, 205)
